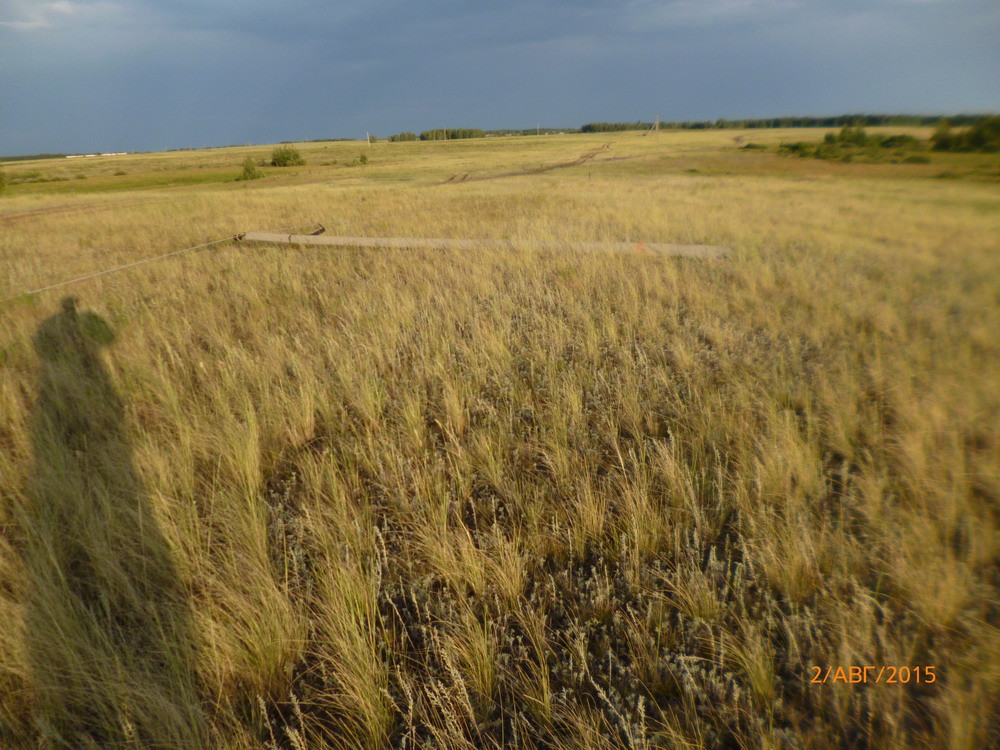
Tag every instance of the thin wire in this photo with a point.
(132, 265)
(117, 268)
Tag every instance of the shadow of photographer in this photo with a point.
(110, 635)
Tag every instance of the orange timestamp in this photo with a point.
(887, 675)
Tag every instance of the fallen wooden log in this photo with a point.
(425, 243)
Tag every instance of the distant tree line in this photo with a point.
(856, 120)
(439, 134)
(611, 127)
(532, 131)
(28, 157)
(451, 134)
(982, 136)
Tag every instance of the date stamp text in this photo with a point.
(864, 675)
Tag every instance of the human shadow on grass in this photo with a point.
(108, 626)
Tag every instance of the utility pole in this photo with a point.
(368, 139)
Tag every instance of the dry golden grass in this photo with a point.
(340, 498)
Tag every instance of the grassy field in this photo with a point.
(274, 497)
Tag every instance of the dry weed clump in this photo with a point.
(345, 499)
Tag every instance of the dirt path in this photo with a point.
(537, 170)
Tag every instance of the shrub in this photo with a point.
(854, 144)
(286, 156)
(3, 180)
(799, 148)
(854, 136)
(899, 141)
(942, 138)
(827, 150)
(751, 146)
(916, 159)
(373, 139)
(250, 170)
(363, 159)
(984, 135)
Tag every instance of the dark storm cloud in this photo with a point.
(145, 74)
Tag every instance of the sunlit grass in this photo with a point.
(417, 498)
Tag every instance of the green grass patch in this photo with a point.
(121, 183)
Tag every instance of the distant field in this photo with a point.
(275, 497)
(706, 151)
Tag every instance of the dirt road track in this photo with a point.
(536, 170)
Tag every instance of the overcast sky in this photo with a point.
(125, 75)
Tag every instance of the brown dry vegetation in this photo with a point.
(273, 497)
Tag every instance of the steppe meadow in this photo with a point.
(279, 496)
